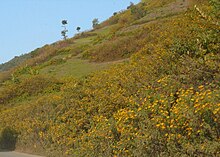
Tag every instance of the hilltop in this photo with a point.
(145, 82)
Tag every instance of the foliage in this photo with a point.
(28, 87)
(164, 101)
(95, 22)
(8, 139)
(78, 29)
(138, 11)
(216, 7)
(116, 48)
(16, 61)
(64, 32)
(64, 22)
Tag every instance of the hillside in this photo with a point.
(14, 62)
(145, 82)
(116, 38)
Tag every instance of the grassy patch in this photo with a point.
(74, 67)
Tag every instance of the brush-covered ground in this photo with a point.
(146, 82)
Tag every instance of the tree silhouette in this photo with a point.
(95, 22)
(64, 22)
(78, 29)
(64, 32)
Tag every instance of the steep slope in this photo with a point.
(163, 101)
(114, 39)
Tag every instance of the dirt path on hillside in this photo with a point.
(15, 154)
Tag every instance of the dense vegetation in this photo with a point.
(163, 101)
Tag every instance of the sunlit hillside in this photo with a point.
(145, 82)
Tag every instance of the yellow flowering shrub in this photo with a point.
(164, 101)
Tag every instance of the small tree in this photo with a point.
(64, 32)
(78, 29)
(131, 5)
(95, 22)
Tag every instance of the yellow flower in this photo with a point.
(159, 81)
(201, 87)
(139, 109)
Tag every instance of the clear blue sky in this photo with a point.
(29, 24)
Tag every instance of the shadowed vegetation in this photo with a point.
(8, 139)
